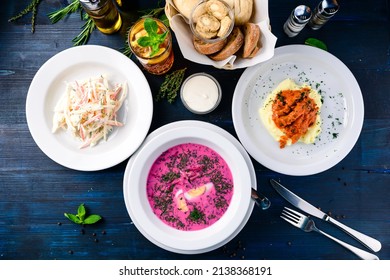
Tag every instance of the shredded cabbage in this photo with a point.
(88, 109)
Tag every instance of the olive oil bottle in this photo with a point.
(104, 13)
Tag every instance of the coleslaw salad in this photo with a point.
(88, 109)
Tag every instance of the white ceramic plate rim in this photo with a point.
(78, 63)
(145, 220)
(343, 105)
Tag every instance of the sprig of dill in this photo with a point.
(33, 8)
(171, 85)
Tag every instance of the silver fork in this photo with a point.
(304, 223)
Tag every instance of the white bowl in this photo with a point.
(162, 234)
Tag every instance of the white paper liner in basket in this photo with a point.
(180, 26)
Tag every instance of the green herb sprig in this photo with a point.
(87, 28)
(156, 13)
(81, 216)
(86, 32)
(33, 8)
(60, 14)
(171, 85)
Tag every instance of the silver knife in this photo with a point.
(298, 202)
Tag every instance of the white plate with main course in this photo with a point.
(342, 110)
(183, 212)
(89, 108)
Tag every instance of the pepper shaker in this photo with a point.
(322, 13)
(297, 20)
(104, 13)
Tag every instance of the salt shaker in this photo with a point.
(297, 20)
(104, 13)
(322, 13)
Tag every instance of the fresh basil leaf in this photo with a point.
(81, 212)
(91, 219)
(316, 43)
(73, 218)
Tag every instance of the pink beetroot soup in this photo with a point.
(189, 187)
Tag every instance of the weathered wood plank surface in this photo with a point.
(35, 191)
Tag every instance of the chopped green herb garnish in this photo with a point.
(196, 215)
(170, 176)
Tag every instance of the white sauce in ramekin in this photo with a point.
(201, 93)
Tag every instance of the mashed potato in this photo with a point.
(291, 113)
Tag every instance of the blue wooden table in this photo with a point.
(35, 191)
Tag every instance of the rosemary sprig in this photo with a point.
(84, 35)
(126, 48)
(87, 28)
(158, 12)
(171, 85)
(62, 13)
(33, 8)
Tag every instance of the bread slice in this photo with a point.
(234, 42)
(208, 48)
(256, 49)
(251, 33)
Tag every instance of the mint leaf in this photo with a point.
(316, 43)
(145, 41)
(161, 37)
(81, 212)
(150, 26)
(81, 216)
(91, 219)
(153, 40)
(73, 218)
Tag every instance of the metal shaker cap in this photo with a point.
(328, 7)
(302, 13)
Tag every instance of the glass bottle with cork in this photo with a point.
(104, 13)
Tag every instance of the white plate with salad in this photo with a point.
(89, 108)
